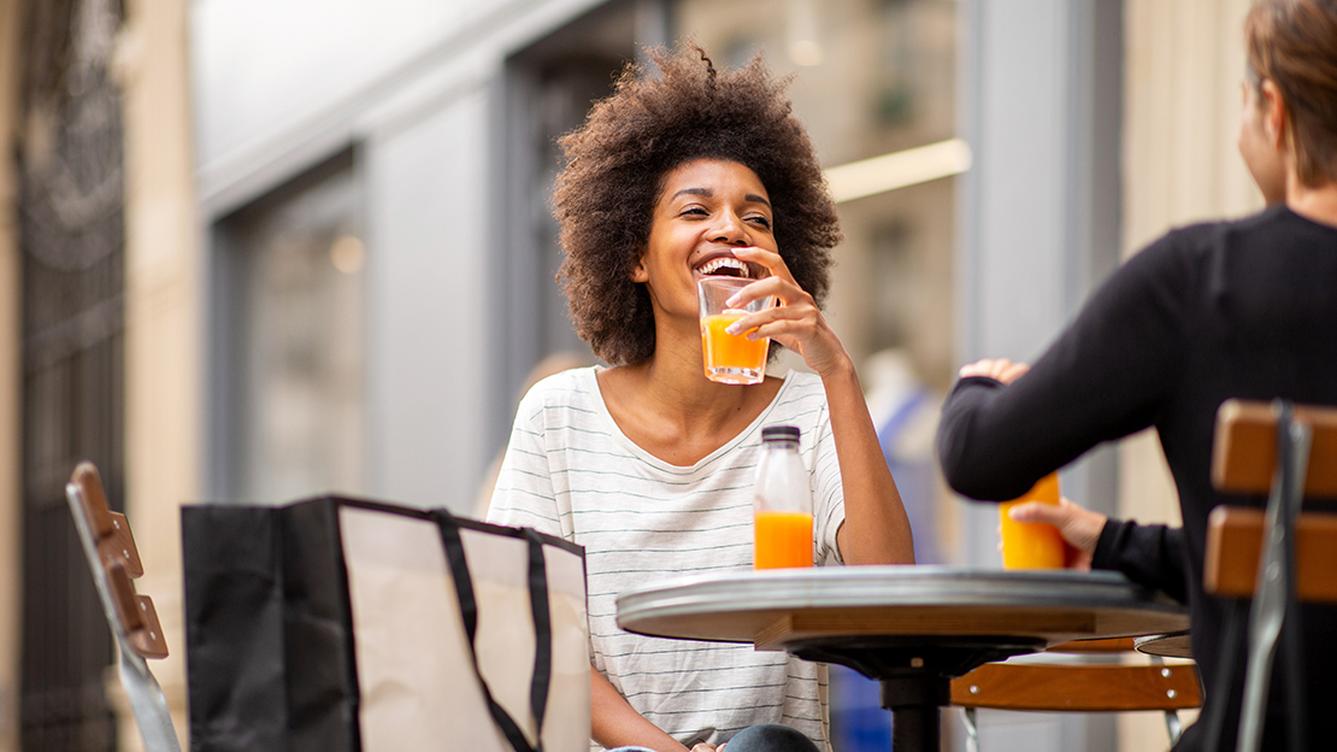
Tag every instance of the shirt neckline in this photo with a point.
(1288, 211)
(590, 375)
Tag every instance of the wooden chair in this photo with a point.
(1079, 687)
(114, 561)
(1279, 554)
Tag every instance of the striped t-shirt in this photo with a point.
(570, 471)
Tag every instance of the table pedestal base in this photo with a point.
(916, 674)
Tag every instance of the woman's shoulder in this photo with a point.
(801, 392)
(574, 388)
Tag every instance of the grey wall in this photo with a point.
(1039, 211)
(429, 329)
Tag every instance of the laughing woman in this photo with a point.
(646, 463)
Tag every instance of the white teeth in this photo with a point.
(723, 262)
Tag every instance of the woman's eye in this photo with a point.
(763, 221)
(695, 211)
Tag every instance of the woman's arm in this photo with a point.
(615, 723)
(1105, 377)
(876, 529)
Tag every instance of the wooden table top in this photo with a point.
(1172, 645)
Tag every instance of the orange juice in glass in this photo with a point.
(782, 503)
(1032, 545)
(729, 358)
(782, 539)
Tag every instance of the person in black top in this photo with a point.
(1245, 309)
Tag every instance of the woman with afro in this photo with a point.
(649, 465)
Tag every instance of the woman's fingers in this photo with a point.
(1013, 372)
(779, 287)
(999, 369)
(1079, 526)
(771, 260)
(754, 321)
(1039, 511)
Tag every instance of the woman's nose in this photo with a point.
(731, 230)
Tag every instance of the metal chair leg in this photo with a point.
(972, 730)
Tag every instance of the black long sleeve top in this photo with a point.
(1243, 309)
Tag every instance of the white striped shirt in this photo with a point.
(570, 471)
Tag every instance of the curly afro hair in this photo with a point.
(605, 196)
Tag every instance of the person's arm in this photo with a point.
(1151, 555)
(615, 723)
(876, 529)
(1104, 378)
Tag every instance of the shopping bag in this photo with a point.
(337, 624)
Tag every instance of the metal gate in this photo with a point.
(71, 238)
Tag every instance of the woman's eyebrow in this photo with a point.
(706, 192)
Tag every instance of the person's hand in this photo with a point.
(796, 323)
(999, 369)
(703, 747)
(1079, 526)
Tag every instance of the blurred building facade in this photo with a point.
(336, 258)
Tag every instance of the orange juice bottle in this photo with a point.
(731, 358)
(782, 504)
(1032, 545)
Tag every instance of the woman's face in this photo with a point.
(1261, 140)
(707, 208)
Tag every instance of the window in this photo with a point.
(290, 310)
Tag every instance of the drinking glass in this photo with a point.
(1032, 545)
(730, 358)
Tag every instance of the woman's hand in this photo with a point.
(1079, 526)
(998, 369)
(796, 323)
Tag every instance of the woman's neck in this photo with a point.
(1317, 204)
(674, 383)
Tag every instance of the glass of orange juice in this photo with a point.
(1032, 545)
(729, 358)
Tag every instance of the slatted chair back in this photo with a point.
(1271, 560)
(113, 560)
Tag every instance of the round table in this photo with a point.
(912, 628)
(1171, 645)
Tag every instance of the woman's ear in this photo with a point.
(1274, 114)
(638, 272)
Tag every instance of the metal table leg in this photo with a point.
(915, 701)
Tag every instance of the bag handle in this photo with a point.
(541, 678)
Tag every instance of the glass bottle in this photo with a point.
(782, 504)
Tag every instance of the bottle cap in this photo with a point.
(780, 433)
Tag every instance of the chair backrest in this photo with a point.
(1244, 455)
(113, 560)
(1079, 687)
(119, 559)
(1244, 459)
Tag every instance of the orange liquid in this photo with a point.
(1032, 545)
(783, 539)
(721, 350)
